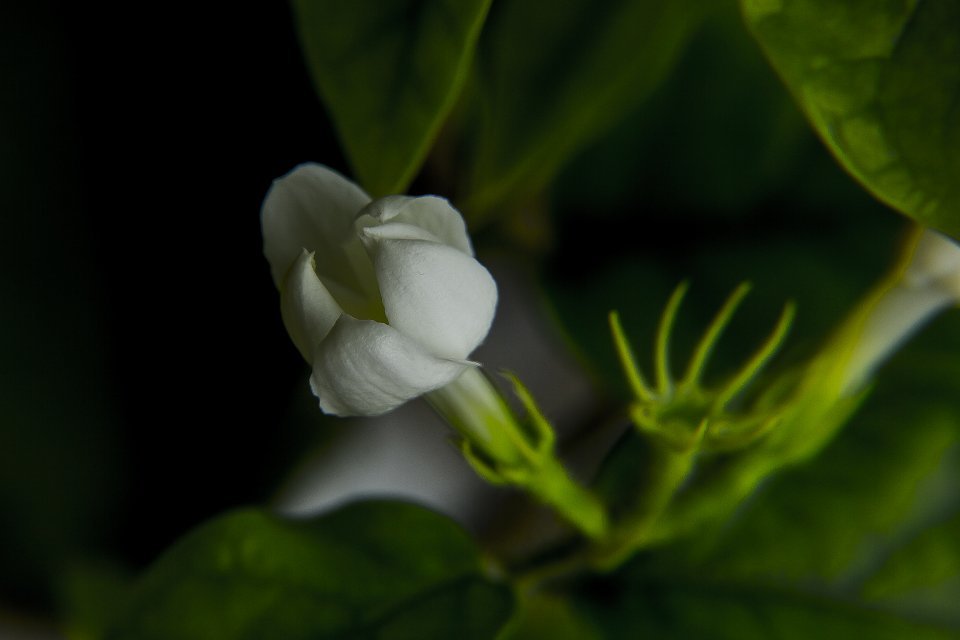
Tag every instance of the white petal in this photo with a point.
(431, 292)
(935, 262)
(313, 208)
(308, 309)
(898, 315)
(430, 213)
(365, 368)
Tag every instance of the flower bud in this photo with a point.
(383, 298)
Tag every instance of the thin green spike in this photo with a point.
(712, 335)
(662, 358)
(541, 426)
(482, 469)
(759, 359)
(627, 361)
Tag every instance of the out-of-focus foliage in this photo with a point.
(371, 569)
(879, 82)
(551, 78)
(389, 75)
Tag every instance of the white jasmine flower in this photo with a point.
(383, 298)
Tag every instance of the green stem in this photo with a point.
(668, 469)
(499, 448)
(553, 486)
(473, 406)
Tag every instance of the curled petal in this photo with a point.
(308, 309)
(366, 368)
(430, 213)
(432, 292)
(313, 208)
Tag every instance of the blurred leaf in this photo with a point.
(879, 81)
(723, 158)
(544, 616)
(721, 611)
(923, 577)
(372, 569)
(827, 522)
(91, 596)
(552, 76)
(389, 74)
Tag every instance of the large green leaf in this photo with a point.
(389, 74)
(880, 81)
(725, 611)
(372, 569)
(551, 76)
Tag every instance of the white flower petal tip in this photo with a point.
(309, 310)
(313, 208)
(383, 298)
(429, 213)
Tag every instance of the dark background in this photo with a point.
(143, 357)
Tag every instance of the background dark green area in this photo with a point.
(145, 376)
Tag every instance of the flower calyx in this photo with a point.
(684, 416)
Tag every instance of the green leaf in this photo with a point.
(880, 81)
(923, 577)
(829, 522)
(389, 75)
(546, 616)
(371, 569)
(552, 76)
(723, 611)
(672, 151)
